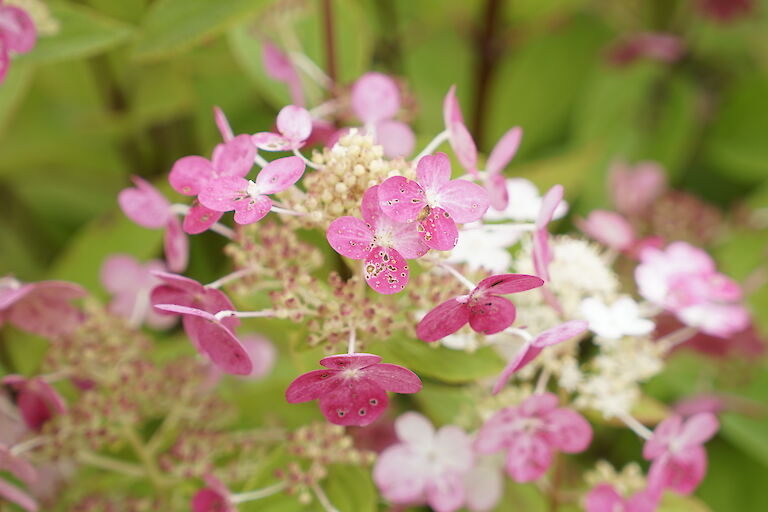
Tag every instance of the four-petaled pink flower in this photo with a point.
(484, 308)
(17, 34)
(250, 199)
(353, 388)
(214, 497)
(425, 466)
(458, 136)
(37, 400)
(42, 308)
(683, 280)
(679, 459)
(604, 498)
(147, 207)
(435, 200)
(503, 152)
(294, 125)
(383, 243)
(531, 432)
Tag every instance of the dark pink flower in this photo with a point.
(37, 400)
(502, 154)
(214, 497)
(147, 207)
(609, 228)
(484, 308)
(635, 188)
(459, 137)
(542, 254)
(353, 388)
(679, 461)
(647, 45)
(294, 125)
(435, 200)
(43, 308)
(17, 34)
(383, 243)
(250, 199)
(279, 67)
(530, 434)
(604, 498)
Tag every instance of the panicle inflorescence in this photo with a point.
(327, 444)
(627, 481)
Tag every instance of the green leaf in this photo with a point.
(172, 26)
(13, 91)
(749, 434)
(677, 503)
(350, 488)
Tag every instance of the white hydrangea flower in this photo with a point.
(524, 203)
(484, 246)
(622, 318)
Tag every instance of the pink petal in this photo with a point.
(699, 428)
(350, 237)
(15, 495)
(433, 172)
(502, 284)
(396, 137)
(491, 314)
(294, 123)
(252, 209)
(504, 151)
(401, 199)
(667, 430)
(279, 67)
(560, 333)
(122, 272)
(438, 230)
(445, 319)
(353, 402)
(464, 200)
(375, 97)
(176, 246)
(567, 430)
(464, 147)
(235, 157)
(634, 190)
(400, 474)
(223, 124)
(549, 204)
(5, 61)
(528, 458)
(199, 219)
(311, 386)
(190, 174)
(386, 270)
(414, 429)
(484, 486)
(451, 108)
(392, 377)
(18, 29)
(541, 253)
(525, 355)
(144, 205)
(406, 238)
(354, 361)
(604, 498)
(223, 194)
(268, 141)
(208, 500)
(262, 354)
(445, 492)
(682, 473)
(181, 283)
(18, 466)
(498, 431)
(609, 228)
(498, 195)
(370, 207)
(45, 309)
(280, 174)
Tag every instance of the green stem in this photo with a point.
(108, 463)
(145, 456)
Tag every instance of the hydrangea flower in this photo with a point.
(634, 189)
(250, 199)
(461, 140)
(214, 497)
(383, 243)
(604, 498)
(608, 228)
(43, 308)
(426, 465)
(279, 67)
(679, 461)
(261, 352)
(37, 400)
(485, 246)
(294, 125)
(17, 34)
(683, 280)
(147, 207)
(484, 308)
(436, 201)
(622, 318)
(530, 434)
(524, 203)
(353, 388)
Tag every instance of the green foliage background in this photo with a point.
(126, 87)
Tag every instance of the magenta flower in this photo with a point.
(294, 125)
(43, 308)
(530, 434)
(604, 498)
(503, 152)
(250, 199)
(37, 400)
(634, 189)
(683, 280)
(214, 339)
(484, 308)
(353, 390)
(541, 253)
(610, 229)
(425, 466)
(279, 67)
(458, 136)
(147, 207)
(8, 491)
(435, 200)
(679, 461)
(17, 34)
(383, 243)
(214, 497)
(533, 348)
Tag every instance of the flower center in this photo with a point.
(252, 189)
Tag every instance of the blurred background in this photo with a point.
(115, 88)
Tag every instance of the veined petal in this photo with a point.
(451, 108)
(445, 319)
(560, 333)
(311, 386)
(396, 137)
(433, 172)
(268, 141)
(604, 498)
(567, 430)
(355, 361)
(144, 205)
(504, 151)
(280, 174)
(252, 209)
(350, 237)
(549, 204)
(375, 97)
(392, 377)
(199, 219)
(503, 284)
(15, 495)
(18, 29)
(190, 174)
(386, 270)
(235, 157)
(224, 194)
(294, 123)
(445, 492)
(498, 195)
(406, 239)
(176, 245)
(525, 355)
(416, 430)
(528, 458)
(699, 428)
(400, 474)
(401, 199)
(370, 208)
(438, 230)
(353, 402)
(464, 147)
(222, 124)
(491, 314)
(464, 200)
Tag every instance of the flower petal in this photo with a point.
(498, 195)
(549, 204)
(280, 174)
(199, 219)
(504, 151)
(415, 429)
(395, 378)
(464, 147)
(608, 228)
(223, 194)
(406, 238)
(400, 474)
(445, 492)
(235, 157)
(18, 29)
(396, 137)
(401, 199)
(223, 348)
(386, 270)
(350, 237)
(464, 200)
(445, 319)
(438, 230)
(375, 97)
(491, 314)
(484, 487)
(433, 172)
(370, 208)
(353, 402)
(567, 430)
(451, 108)
(190, 174)
(15, 495)
(294, 123)
(222, 124)
(176, 246)
(44, 308)
(354, 361)
(699, 428)
(144, 205)
(311, 386)
(604, 498)
(268, 141)
(528, 458)
(503, 284)
(525, 355)
(252, 209)
(560, 333)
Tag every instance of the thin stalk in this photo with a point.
(463, 280)
(259, 493)
(352, 340)
(323, 498)
(234, 276)
(307, 162)
(541, 384)
(330, 44)
(145, 456)
(110, 464)
(677, 337)
(433, 144)
(245, 314)
(637, 427)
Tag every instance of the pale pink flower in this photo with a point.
(635, 188)
(425, 466)
(250, 199)
(147, 207)
(484, 483)
(503, 152)
(609, 228)
(17, 34)
(458, 135)
(604, 498)
(679, 461)
(383, 243)
(37, 400)
(436, 201)
(531, 433)
(294, 126)
(279, 67)
(130, 284)
(353, 388)
(214, 497)
(484, 308)
(43, 308)
(541, 252)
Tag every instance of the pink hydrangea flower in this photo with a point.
(147, 207)
(384, 244)
(43, 308)
(503, 152)
(530, 434)
(604, 498)
(484, 308)
(542, 254)
(37, 400)
(17, 34)
(353, 388)
(435, 200)
(294, 126)
(634, 189)
(531, 349)
(683, 280)
(679, 461)
(279, 67)
(458, 135)
(426, 465)
(250, 199)
(608, 228)
(260, 350)
(214, 497)
(130, 284)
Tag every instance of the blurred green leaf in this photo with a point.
(350, 488)
(677, 503)
(749, 434)
(13, 91)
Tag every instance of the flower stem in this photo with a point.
(637, 427)
(520, 332)
(230, 277)
(284, 211)
(244, 314)
(433, 145)
(676, 338)
(463, 280)
(145, 456)
(541, 384)
(307, 162)
(352, 340)
(259, 493)
(110, 464)
(323, 498)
